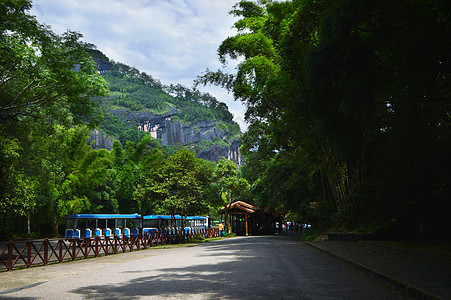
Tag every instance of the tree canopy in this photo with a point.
(47, 83)
(43, 75)
(348, 103)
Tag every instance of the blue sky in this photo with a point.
(171, 40)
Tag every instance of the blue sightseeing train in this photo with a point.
(198, 222)
(170, 224)
(104, 225)
(110, 225)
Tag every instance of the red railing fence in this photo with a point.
(16, 254)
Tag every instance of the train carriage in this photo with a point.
(110, 225)
(103, 225)
(198, 222)
(162, 224)
(170, 224)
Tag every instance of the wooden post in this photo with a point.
(46, 251)
(60, 250)
(87, 240)
(29, 253)
(247, 228)
(96, 251)
(74, 249)
(10, 255)
(107, 244)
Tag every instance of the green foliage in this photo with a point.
(45, 76)
(207, 144)
(198, 239)
(47, 84)
(135, 91)
(177, 187)
(231, 186)
(230, 234)
(121, 131)
(309, 236)
(348, 104)
(223, 127)
(50, 97)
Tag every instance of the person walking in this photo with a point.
(221, 227)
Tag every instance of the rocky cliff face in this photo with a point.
(215, 152)
(173, 132)
(98, 140)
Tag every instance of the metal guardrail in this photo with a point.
(24, 254)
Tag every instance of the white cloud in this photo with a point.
(172, 40)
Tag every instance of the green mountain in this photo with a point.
(174, 115)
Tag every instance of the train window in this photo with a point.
(70, 224)
(132, 223)
(150, 223)
(120, 223)
(81, 224)
(102, 223)
(137, 223)
(91, 224)
(164, 223)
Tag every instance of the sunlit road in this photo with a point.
(270, 267)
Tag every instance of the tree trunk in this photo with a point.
(226, 223)
(28, 223)
(226, 214)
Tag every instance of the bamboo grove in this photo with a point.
(349, 105)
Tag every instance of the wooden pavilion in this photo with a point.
(248, 219)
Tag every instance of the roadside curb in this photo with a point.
(411, 290)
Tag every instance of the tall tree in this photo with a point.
(357, 91)
(379, 77)
(177, 186)
(232, 186)
(44, 76)
(46, 81)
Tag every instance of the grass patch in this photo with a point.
(309, 236)
(198, 239)
(32, 235)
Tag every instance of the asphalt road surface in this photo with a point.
(260, 267)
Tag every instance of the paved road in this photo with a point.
(262, 267)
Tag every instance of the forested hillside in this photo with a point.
(348, 105)
(52, 95)
(137, 92)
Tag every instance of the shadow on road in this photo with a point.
(214, 280)
(243, 269)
